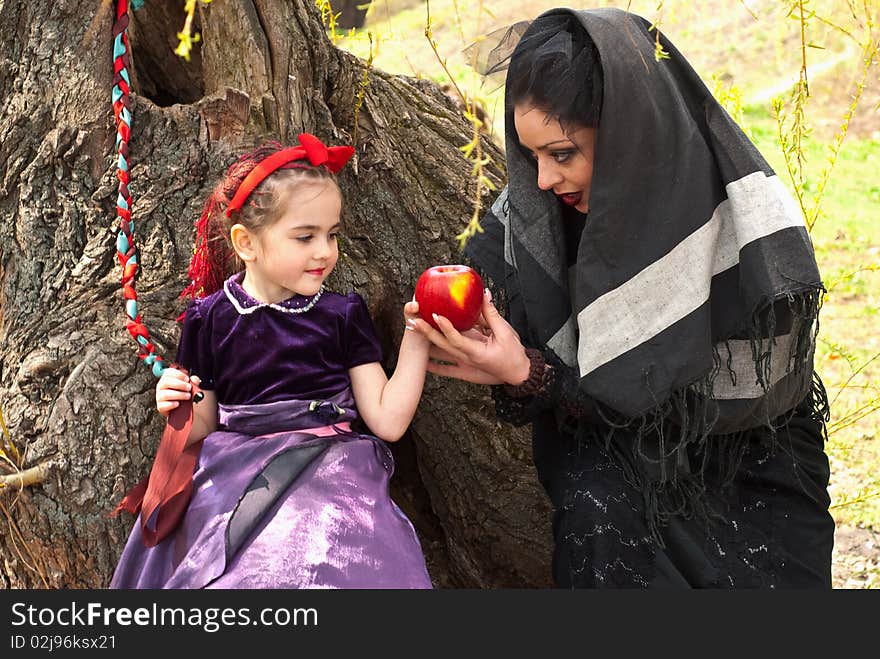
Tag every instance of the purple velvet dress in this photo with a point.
(285, 495)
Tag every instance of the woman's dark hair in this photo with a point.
(556, 68)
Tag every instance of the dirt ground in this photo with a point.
(856, 558)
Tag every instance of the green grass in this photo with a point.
(846, 237)
(761, 57)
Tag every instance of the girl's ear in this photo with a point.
(243, 242)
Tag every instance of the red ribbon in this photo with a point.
(166, 491)
(310, 147)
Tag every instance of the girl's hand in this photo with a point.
(411, 316)
(488, 353)
(411, 311)
(173, 387)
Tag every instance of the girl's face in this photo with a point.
(565, 161)
(299, 251)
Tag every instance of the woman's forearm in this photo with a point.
(549, 385)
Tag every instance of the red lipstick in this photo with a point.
(571, 198)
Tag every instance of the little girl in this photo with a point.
(284, 493)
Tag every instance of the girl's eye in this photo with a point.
(334, 236)
(304, 239)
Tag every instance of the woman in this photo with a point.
(661, 298)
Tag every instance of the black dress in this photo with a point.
(767, 527)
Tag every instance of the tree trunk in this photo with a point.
(76, 398)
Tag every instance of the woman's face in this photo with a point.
(565, 161)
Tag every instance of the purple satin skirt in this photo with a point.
(288, 509)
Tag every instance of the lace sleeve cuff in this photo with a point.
(537, 380)
(519, 404)
(550, 385)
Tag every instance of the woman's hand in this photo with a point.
(173, 387)
(488, 353)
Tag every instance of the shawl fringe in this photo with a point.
(665, 453)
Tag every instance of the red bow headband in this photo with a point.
(333, 158)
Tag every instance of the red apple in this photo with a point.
(452, 291)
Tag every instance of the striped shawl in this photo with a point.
(695, 293)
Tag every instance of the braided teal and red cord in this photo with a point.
(126, 250)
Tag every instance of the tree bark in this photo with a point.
(79, 403)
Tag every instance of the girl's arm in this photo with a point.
(173, 387)
(204, 417)
(386, 405)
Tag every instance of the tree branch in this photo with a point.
(31, 476)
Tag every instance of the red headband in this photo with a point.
(310, 147)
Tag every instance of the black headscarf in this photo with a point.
(695, 293)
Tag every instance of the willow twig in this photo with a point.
(17, 532)
(30, 476)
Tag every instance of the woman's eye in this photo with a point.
(333, 236)
(304, 239)
(561, 156)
